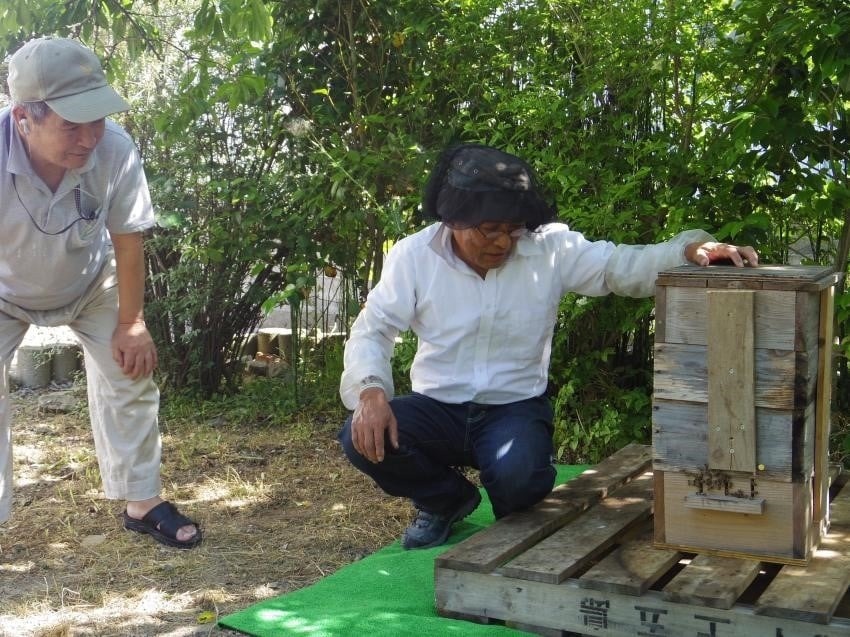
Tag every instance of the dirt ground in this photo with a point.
(280, 508)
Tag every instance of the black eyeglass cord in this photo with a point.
(90, 216)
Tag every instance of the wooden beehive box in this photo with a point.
(741, 410)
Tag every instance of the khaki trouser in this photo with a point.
(123, 411)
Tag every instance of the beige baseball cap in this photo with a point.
(66, 76)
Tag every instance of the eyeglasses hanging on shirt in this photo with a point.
(87, 209)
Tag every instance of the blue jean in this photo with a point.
(511, 446)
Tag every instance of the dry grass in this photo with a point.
(280, 507)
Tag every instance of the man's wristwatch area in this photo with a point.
(369, 382)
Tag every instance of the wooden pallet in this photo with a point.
(582, 561)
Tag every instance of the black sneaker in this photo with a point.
(432, 529)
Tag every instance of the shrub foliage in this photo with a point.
(281, 138)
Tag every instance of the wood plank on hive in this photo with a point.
(807, 309)
(822, 417)
(680, 439)
(812, 593)
(712, 581)
(681, 370)
(513, 534)
(769, 534)
(726, 503)
(779, 277)
(581, 540)
(731, 380)
(661, 313)
(632, 568)
(687, 320)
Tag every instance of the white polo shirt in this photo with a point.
(489, 340)
(49, 254)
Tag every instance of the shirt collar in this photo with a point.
(441, 242)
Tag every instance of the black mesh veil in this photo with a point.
(472, 183)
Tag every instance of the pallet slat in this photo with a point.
(576, 543)
(809, 593)
(511, 535)
(712, 581)
(812, 593)
(544, 608)
(632, 568)
(643, 589)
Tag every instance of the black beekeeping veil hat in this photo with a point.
(472, 183)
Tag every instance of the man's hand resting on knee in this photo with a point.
(372, 421)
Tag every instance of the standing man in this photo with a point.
(73, 206)
(481, 291)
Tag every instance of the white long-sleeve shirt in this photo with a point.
(489, 340)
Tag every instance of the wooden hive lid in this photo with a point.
(810, 278)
